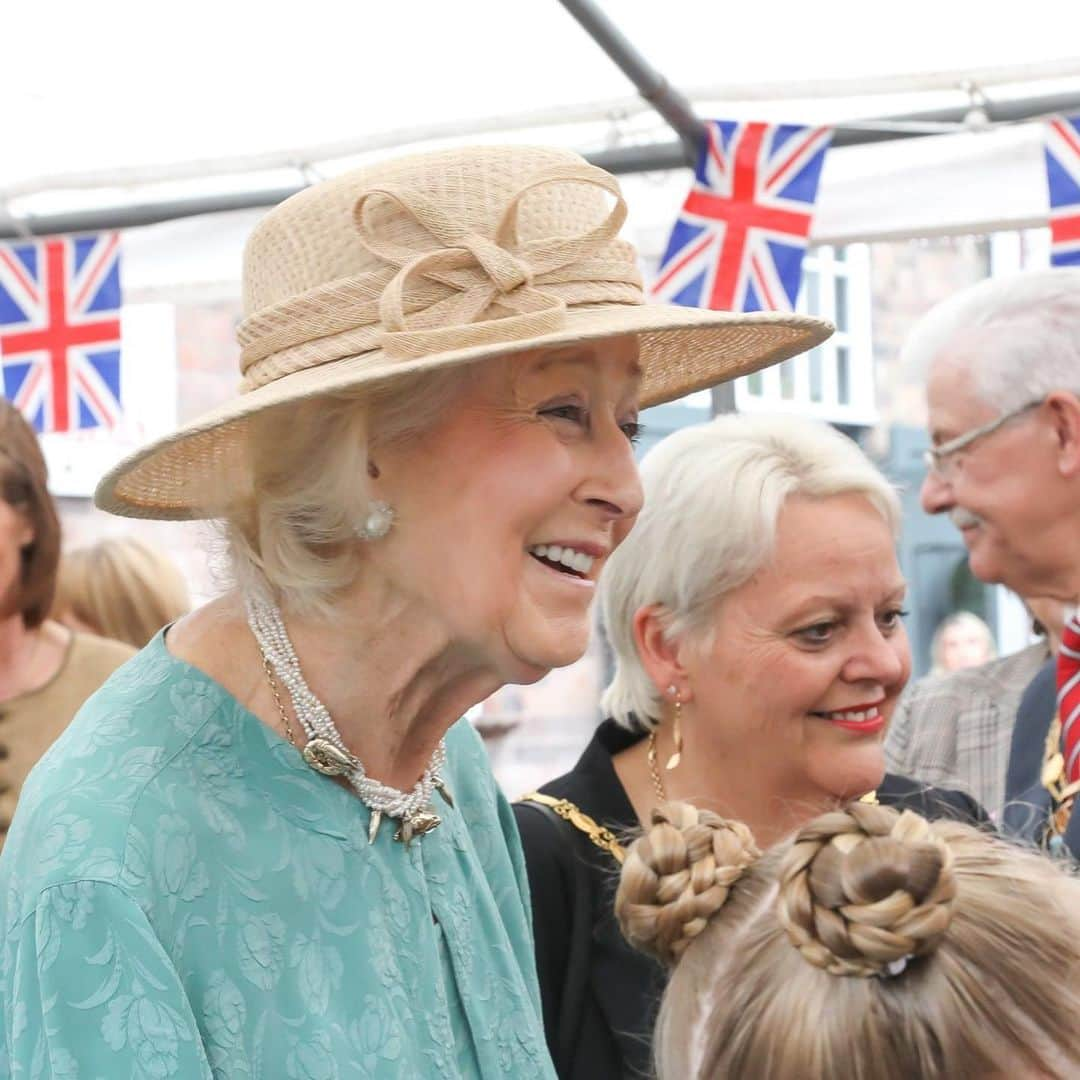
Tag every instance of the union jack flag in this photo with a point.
(739, 241)
(60, 330)
(1063, 178)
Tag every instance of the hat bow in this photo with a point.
(469, 290)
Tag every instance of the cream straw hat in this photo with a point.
(426, 261)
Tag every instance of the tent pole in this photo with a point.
(655, 157)
(652, 86)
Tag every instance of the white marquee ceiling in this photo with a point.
(104, 101)
(122, 82)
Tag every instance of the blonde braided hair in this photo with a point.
(679, 874)
(864, 889)
(859, 891)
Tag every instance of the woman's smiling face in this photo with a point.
(809, 657)
(509, 505)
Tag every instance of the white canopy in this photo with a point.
(118, 101)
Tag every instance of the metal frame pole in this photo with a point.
(652, 86)
(655, 157)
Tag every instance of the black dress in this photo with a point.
(599, 1014)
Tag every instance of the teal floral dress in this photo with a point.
(181, 896)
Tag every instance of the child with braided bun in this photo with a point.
(873, 945)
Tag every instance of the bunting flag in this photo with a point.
(1063, 178)
(60, 330)
(739, 241)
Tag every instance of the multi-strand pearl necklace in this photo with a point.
(325, 750)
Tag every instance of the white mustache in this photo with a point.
(964, 519)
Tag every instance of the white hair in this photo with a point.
(1029, 329)
(713, 496)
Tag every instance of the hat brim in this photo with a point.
(680, 350)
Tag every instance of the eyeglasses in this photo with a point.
(942, 460)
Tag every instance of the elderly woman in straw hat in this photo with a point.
(268, 847)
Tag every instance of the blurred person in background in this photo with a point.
(46, 670)
(962, 640)
(956, 729)
(275, 848)
(872, 944)
(1003, 403)
(119, 588)
(755, 613)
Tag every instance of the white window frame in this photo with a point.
(823, 263)
(1016, 250)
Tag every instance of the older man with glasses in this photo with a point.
(1003, 397)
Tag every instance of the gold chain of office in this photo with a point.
(601, 836)
(1062, 794)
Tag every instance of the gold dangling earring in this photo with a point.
(676, 731)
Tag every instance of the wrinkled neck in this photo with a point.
(391, 677)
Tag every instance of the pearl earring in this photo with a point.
(380, 517)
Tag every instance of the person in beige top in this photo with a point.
(46, 670)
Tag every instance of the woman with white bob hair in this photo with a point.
(268, 847)
(755, 615)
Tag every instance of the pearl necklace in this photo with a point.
(325, 750)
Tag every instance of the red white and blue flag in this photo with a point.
(60, 330)
(1063, 178)
(738, 243)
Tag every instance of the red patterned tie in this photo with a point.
(1068, 681)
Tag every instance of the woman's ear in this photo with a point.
(660, 655)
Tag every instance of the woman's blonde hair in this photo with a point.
(120, 588)
(874, 945)
(713, 497)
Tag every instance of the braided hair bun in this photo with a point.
(678, 875)
(864, 890)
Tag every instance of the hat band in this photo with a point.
(471, 291)
(408, 344)
(358, 340)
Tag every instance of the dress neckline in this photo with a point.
(270, 764)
